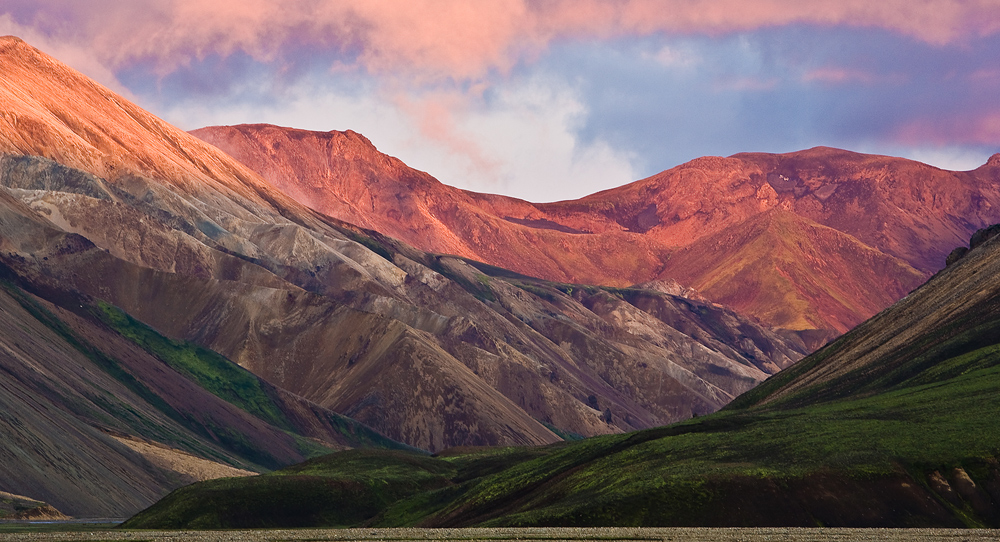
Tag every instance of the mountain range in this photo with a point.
(892, 425)
(163, 268)
(176, 313)
(815, 240)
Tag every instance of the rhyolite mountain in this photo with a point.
(892, 425)
(127, 229)
(813, 240)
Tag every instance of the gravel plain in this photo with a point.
(527, 535)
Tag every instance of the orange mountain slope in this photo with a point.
(910, 214)
(783, 268)
(50, 110)
(343, 175)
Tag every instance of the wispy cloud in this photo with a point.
(452, 38)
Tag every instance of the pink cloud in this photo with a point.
(746, 84)
(435, 118)
(979, 129)
(831, 75)
(454, 38)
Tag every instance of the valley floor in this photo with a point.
(686, 534)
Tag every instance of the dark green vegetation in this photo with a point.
(338, 490)
(895, 424)
(210, 370)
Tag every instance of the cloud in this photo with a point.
(982, 128)
(670, 56)
(520, 139)
(79, 58)
(950, 157)
(835, 76)
(551, 98)
(441, 39)
(435, 115)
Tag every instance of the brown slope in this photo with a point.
(352, 321)
(625, 235)
(74, 395)
(270, 326)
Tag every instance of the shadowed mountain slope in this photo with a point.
(897, 212)
(102, 416)
(893, 425)
(103, 200)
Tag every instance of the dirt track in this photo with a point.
(532, 535)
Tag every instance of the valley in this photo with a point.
(892, 425)
(296, 323)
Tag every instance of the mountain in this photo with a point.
(882, 221)
(892, 425)
(102, 416)
(156, 261)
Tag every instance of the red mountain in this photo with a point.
(817, 239)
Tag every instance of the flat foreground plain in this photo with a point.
(738, 534)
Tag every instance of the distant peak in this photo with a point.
(994, 160)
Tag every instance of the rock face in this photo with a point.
(887, 223)
(103, 200)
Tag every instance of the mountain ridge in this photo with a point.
(903, 209)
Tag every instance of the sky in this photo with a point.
(553, 99)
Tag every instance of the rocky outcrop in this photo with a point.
(981, 236)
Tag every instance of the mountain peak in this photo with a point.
(994, 160)
(51, 110)
(6, 41)
(13, 46)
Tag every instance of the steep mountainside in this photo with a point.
(955, 316)
(102, 416)
(893, 425)
(894, 213)
(781, 267)
(431, 350)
